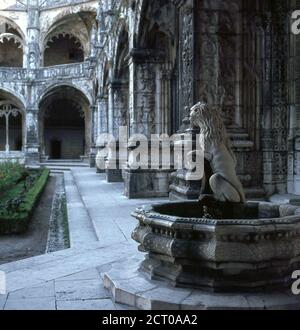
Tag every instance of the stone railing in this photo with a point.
(13, 74)
(12, 157)
(76, 70)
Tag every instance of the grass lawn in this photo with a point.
(20, 190)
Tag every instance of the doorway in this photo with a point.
(55, 152)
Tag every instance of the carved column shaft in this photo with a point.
(33, 35)
(275, 144)
(102, 114)
(120, 106)
(187, 57)
(142, 92)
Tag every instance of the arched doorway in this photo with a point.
(65, 124)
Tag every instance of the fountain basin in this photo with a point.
(229, 247)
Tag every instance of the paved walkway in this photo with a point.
(100, 233)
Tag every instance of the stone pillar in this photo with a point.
(118, 117)
(33, 35)
(102, 130)
(146, 107)
(33, 61)
(181, 187)
(92, 154)
(275, 137)
(32, 137)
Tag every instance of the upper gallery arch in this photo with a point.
(12, 43)
(68, 39)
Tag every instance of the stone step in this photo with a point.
(64, 164)
(69, 161)
(63, 167)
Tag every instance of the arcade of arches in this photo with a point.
(80, 69)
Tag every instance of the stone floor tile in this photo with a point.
(90, 274)
(80, 290)
(97, 304)
(2, 301)
(31, 304)
(41, 291)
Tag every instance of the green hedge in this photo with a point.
(11, 174)
(17, 222)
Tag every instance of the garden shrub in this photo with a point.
(11, 174)
(18, 203)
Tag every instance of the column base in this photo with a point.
(92, 160)
(146, 183)
(182, 189)
(113, 176)
(32, 156)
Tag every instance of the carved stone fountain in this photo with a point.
(251, 246)
(220, 245)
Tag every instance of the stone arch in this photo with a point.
(69, 120)
(12, 43)
(62, 84)
(65, 13)
(70, 33)
(17, 98)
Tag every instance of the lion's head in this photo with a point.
(210, 123)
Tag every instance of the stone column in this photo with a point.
(181, 187)
(92, 153)
(32, 136)
(118, 117)
(275, 100)
(146, 103)
(33, 35)
(102, 130)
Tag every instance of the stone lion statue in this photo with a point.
(224, 182)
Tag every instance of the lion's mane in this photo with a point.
(211, 125)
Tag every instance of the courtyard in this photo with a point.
(149, 155)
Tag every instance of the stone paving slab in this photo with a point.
(80, 290)
(100, 304)
(30, 304)
(45, 290)
(89, 274)
(3, 299)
